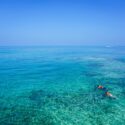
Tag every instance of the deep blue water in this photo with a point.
(57, 85)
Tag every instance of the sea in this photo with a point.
(58, 85)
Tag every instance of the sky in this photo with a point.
(62, 22)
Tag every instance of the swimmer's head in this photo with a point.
(100, 87)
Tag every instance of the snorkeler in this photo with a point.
(108, 94)
(101, 87)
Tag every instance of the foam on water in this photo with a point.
(57, 86)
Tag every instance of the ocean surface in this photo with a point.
(54, 85)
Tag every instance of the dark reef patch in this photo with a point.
(94, 65)
(36, 95)
(40, 97)
(120, 59)
(115, 81)
(39, 94)
(26, 116)
(92, 74)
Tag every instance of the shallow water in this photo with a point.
(57, 85)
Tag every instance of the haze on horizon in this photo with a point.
(62, 22)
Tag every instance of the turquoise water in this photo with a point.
(57, 85)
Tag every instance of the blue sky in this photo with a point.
(62, 22)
